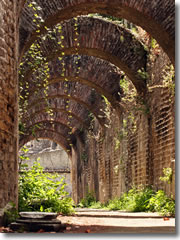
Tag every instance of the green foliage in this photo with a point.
(124, 84)
(142, 200)
(162, 204)
(106, 111)
(143, 74)
(115, 204)
(153, 43)
(88, 200)
(96, 205)
(169, 78)
(10, 215)
(167, 175)
(22, 158)
(137, 199)
(39, 191)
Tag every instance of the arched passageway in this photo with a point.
(101, 92)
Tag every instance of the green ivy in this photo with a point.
(167, 175)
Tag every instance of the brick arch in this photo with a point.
(62, 118)
(46, 134)
(58, 82)
(156, 17)
(101, 39)
(66, 133)
(58, 127)
(100, 90)
(93, 108)
(94, 72)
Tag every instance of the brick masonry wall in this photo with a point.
(119, 157)
(162, 108)
(8, 102)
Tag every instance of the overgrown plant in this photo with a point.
(36, 65)
(88, 201)
(162, 204)
(137, 199)
(39, 191)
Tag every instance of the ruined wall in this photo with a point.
(136, 145)
(8, 102)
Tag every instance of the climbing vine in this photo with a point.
(34, 61)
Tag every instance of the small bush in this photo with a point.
(88, 200)
(162, 204)
(135, 200)
(39, 191)
(138, 199)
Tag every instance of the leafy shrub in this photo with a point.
(39, 191)
(135, 200)
(162, 204)
(88, 200)
(97, 205)
(114, 204)
(138, 199)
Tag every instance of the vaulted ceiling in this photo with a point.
(69, 64)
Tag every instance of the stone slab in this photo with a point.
(116, 214)
(38, 221)
(21, 227)
(38, 215)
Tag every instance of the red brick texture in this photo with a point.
(8, 102)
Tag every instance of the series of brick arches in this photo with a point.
(104, 55)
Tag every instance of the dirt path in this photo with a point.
(98, 221)
(101, 221)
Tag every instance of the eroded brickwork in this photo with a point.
(113, 160)
(162, 110)
(8, 102)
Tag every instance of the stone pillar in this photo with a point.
(8, 102)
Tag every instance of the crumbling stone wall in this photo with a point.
(8, 102)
